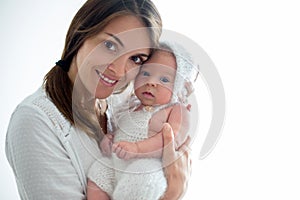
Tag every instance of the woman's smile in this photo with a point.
(106, 80)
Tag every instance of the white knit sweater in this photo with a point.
(49, 157)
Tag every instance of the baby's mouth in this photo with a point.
(148, 95)
(105, 79)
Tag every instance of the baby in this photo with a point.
(135, 169)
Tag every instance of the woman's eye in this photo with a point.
(137, 60)
(145, 73)
(165, 80)
(110, 45)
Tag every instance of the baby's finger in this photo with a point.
(128, 156)
(122, 153)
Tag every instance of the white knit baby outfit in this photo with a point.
(135, 179)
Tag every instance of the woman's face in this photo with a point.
(111, 59)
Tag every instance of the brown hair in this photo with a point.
(91, 18)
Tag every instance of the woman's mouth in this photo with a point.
(105, 80)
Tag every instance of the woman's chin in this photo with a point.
(102, 95)
(103, 92)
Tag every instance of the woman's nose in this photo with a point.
(118, 67)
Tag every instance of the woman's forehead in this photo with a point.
(129, 31)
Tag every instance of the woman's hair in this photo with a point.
(91, 18)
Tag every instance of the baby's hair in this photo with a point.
(163, 48)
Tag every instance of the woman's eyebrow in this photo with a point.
(116, 38)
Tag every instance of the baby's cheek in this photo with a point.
(163, 96)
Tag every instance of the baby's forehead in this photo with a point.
(158, 69)
(162, 57)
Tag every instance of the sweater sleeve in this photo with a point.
(42, 167)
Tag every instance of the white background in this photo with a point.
(255, 46)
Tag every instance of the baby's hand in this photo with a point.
(125, 150)
(106, 145)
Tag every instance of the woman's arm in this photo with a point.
(177, 165)
(41, 165)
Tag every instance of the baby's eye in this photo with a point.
(164, 79)
(145, 73)
(110, 45)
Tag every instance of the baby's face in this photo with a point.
(154, 83)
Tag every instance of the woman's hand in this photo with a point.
(177, 165)
(106, 144)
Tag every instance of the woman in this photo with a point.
(52, 136)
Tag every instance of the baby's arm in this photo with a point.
(152, 147)
(179, 119)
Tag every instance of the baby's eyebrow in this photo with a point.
(170, 76)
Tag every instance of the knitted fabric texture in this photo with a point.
(185, 71)
(135, 179)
